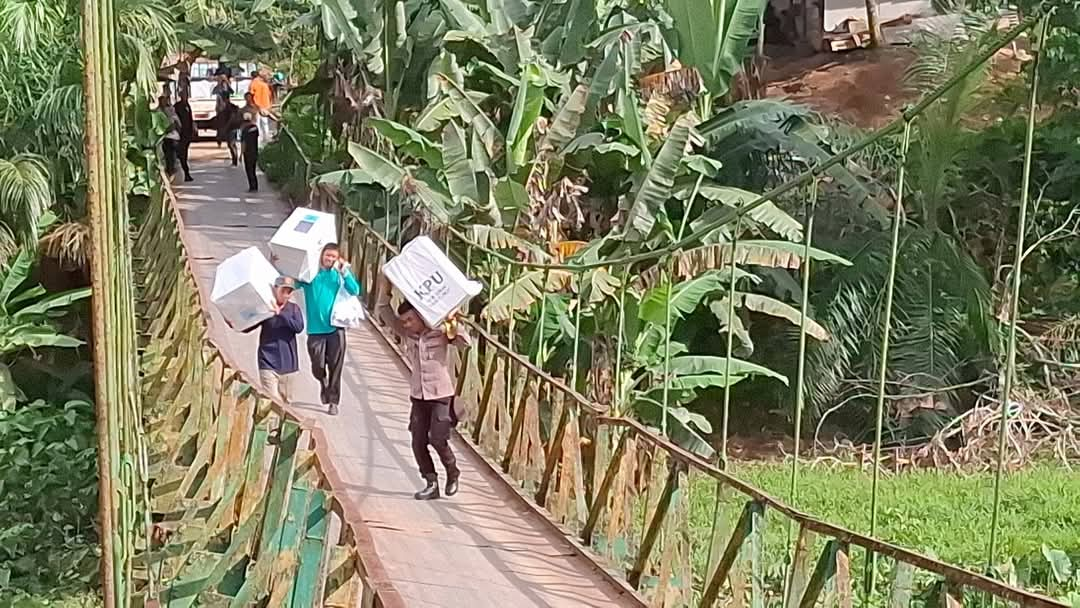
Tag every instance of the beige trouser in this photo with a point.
(278, 387)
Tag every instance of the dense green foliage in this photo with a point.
(48, 553)
(47, 539)
(49, 488)
(41, 110)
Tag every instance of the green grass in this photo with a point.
(941, 514)
(938, 513)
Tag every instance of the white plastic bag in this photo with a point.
(348, 311)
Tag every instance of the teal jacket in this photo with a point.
(319, 296)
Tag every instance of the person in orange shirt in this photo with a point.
(260, 91)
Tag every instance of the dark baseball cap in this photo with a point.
(284, 281)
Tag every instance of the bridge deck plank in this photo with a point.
(479, 548)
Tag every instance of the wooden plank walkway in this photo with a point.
(483, 547)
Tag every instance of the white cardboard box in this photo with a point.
(299, 240)
(429, 280)
(244, 288)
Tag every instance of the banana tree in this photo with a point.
(678, 191)
(713, 36)
(641, 379)
(471, 169)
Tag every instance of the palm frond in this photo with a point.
(24, 23)
(25, 194)
(771, 254)
(775, 308)
(60, 110)
(766, 214)
(150, 19)
(69, 243)
(146, 28)
(941, 137)
(941, 326)
(640, 215)
(9, 245)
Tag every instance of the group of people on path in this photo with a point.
(179, 135)
(242, 130)
(431, 387)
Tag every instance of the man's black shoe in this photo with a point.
(333, 409)
(188, 178)
(451, 486)
(430, 492)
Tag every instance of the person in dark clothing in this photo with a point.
(187, 133)
(172, 135)
(222, 92)
(229, 124)
(228, 129)
(431, 390)
(278, 358)
(249, 143)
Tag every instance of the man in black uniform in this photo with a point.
(249, 141)
(187, 133)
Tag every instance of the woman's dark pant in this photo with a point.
(430, 421)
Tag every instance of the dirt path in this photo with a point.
(865, 88)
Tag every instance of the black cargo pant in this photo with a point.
(168, 151)
(327, 353)
(251, 161)
(430, 421)
(182, 148)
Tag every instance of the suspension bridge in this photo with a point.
(218, 496)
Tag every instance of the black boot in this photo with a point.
(452, 485)
(430, 492)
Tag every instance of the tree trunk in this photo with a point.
(873, 23)
(118, 408)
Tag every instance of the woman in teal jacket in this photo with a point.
(326, 343)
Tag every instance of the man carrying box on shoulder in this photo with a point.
(326, 343)
(278, 359)
(431, 390)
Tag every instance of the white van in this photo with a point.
(202, 80)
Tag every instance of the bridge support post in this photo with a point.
(115, 355)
